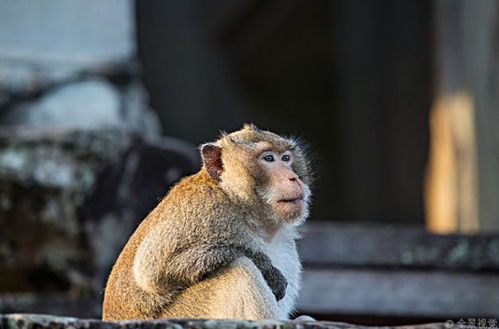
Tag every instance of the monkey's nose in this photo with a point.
(292, 176)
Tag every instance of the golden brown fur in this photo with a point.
(201, 251)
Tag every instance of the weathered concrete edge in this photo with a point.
(42, 321)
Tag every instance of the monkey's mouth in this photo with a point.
(293, 200)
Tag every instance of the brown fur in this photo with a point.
(199, 251)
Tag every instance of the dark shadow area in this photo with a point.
(350, 77)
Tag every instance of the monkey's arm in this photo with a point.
(274, 278)
(167, 267)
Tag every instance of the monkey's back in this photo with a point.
(194, 198)
(123, 298)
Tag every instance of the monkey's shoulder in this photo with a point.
(195, 199)
(196, 191)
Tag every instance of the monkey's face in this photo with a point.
(267, 173)
(282, 189)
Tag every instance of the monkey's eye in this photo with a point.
(269, 158)
(286, 158)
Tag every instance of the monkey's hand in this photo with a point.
(274, 278)
(276, 281)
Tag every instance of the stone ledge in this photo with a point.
(327, 243)
(40, 321)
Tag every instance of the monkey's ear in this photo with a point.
(250, 126)
(212, 160)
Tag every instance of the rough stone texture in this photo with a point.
(70, 199)
(134, 114)
(64, 64)
(31, 321)
(404, 271)
(85, 104)
(391, 246)
(334, 291)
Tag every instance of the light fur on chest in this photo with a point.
(282, 251)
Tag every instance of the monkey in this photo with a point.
(221, 243)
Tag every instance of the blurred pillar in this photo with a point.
(188, 78)
(383, 73)
(462, 181)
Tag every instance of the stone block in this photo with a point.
(86, 104)
(69, 199)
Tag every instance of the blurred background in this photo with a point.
(102, 105)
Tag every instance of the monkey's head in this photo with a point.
(267, 174)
